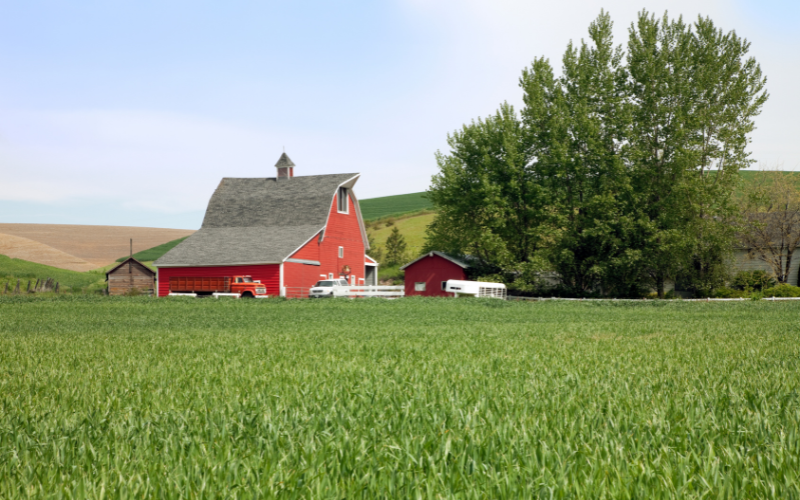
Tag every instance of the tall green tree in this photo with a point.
(578, 122)
(490, 201)
(396, 248)
(694, 96)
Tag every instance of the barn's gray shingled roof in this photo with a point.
(255, 221)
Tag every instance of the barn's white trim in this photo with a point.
(287, 259)
(304, 261)
(282, 288)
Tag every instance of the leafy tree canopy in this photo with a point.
(617, 174)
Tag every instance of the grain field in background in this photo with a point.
(94, 246)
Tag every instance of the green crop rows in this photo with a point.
(106, 397)
(375, 208)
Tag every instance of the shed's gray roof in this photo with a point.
(258, 221)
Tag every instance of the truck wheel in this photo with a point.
(247, 295)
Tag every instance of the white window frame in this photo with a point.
(330, 276)
(444, 286)
(419, 286)
(341, 252)
(342, 200)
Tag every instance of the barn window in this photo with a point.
(330, 276)
(341, 199)
(419, 286)
(444, 285)
(341, 252)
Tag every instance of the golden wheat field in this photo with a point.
(79, 248)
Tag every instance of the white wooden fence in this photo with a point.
(374, 291)
(389, 292)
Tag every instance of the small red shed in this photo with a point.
(428, 274)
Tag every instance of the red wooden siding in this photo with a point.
(269, 274)
(432, 270)
(343, 230)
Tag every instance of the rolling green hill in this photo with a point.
(376, 208)
(750, 175)
(154, 253)
(12, 270)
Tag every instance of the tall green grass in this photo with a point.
(414, 398)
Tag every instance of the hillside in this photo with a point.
(12, 270)
(17, 247)
(412, 228)
(376, 208)
(78, 247)
(154, 253)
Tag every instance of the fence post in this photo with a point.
(16, 290)
(56, 290)
(6, 290)
(28, 288)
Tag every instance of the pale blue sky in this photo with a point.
(129, 113)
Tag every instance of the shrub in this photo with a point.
(729, 293)
(753, 280)
(782, 290)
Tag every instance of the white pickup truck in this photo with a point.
(329, 288)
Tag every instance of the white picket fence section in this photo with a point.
(373, 291)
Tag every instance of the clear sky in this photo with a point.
(129, 113)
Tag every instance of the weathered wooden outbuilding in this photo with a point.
(128, 275)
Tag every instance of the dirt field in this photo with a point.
(18, 247)
(78, 247)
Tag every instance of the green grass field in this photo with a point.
(376, 208)
(12, 270)
(115, 397)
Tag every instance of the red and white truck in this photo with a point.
(226, 286)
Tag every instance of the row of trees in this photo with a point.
(619, 174)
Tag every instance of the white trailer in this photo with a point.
(476, 288)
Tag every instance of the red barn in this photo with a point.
(289, 232)
(428, 274)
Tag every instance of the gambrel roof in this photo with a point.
(260, 220)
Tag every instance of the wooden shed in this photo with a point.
(128, 275)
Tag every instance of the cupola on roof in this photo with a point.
(284, 161)
(285, 167)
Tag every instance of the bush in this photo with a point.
(753, 280)
(782, 290)
(730, 293)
